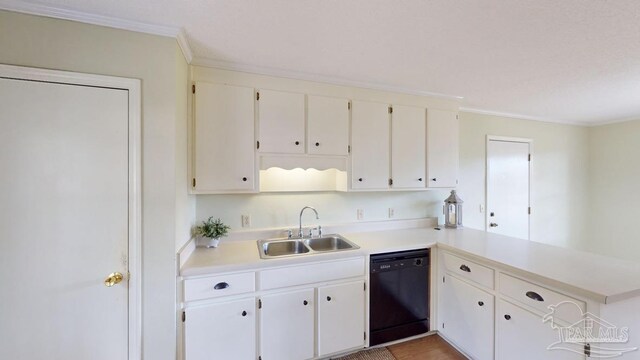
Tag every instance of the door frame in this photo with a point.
(486, 175)
(135, 161)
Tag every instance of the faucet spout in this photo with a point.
(300, 234)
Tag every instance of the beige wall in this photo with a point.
(559, 175)
(614, 177)
(65, 45)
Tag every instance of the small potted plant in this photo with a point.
(210, 232)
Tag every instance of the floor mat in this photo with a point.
(370, 354)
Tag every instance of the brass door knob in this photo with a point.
(112, 279)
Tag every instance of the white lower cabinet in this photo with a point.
(521, 334)
(340, 317)
(287, 325)
(221, 331)
(467, 317)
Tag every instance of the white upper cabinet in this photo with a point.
(442, 148)
(408, 149)
(281, 122)
(327, 125)
(369, 146)
(224, 152)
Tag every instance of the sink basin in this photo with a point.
(283, 247)
(272, 248)
(329, 243)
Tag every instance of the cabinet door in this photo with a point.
(340, 317)
(221, 331)
(281, 122)
(521, 334)
(224, 138)
(467, 317)
(287, 325)
(408, 150)
(442, 148)
(327, 125)
(369, 145)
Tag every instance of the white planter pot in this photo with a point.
(205, 242)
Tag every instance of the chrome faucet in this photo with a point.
(300, 234)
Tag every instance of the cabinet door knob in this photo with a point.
(434, 179)
(317, 144)
(244, 313)
(328, 298)
(221, 285)
(244, 179)
(419, 179)
(534, 296)
(297, 142)
(465, 268)
(360, 179)
(508, 317)
(481, 303)
(305, 303)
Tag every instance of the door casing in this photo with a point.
(135, 161)
(486, 179)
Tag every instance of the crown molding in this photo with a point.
(100, 20)
(269, 71)
(525, 117)
(183, 42)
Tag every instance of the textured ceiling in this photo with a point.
(572, 61)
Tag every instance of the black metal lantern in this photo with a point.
(453, 211)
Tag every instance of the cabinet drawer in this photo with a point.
(310, 273)
(469, 270)
(568, 309)
(221, 285)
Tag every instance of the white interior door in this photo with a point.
(508, 187)
(64, 220)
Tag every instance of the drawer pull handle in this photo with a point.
(481, 303)
(244, 313)
(508, 317)
(221, 285)
(534, 296)
(465, 268)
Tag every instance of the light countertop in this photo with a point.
(596, 277)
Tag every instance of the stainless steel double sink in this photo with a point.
(273, 248)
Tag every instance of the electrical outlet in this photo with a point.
(392, 213)
(246, 221)
(360, 214)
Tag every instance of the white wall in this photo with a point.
(559, 179)
(613, 190)
(282, 210)
(64, 45)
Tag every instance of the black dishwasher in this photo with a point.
(399, 295)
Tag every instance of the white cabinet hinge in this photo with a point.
(258, 96)
(193, 182)
(529, 158)
(390, 109)
(259, 304)
(529, 210)
(184, 316)
(193, 89)
(349, 105)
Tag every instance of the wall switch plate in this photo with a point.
(360, 214)
(246, 221)
(392, 213)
